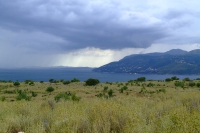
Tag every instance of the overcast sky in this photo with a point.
(93, 32)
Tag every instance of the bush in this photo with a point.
(102, 95)
(174, 78)
(75, 98)
(186, 79)
(168, 80)
(141, 79)
(65, 96)
(110, 93)
(121, 90)
(178, 83)
(66, 82)
(33, 94)
(23, 95)
(161, 90)
(91, 82)
(143, 90)
(41, 81)
(105, 88)
(16, 83)
(3, 98)
(51, 80)
(50, 89)
(192, 84)
(75, 80)
(198, 84)
(150, 85)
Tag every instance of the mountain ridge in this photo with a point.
(175, 61)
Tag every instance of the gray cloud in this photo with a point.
(45, 28)
(83, 24)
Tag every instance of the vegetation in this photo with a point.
(50, 89)
(91, 82)
(16, 83)
(133, 106)
(156, 63)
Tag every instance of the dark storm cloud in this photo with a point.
(81, 24)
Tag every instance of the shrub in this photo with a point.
(141, 79)
(41, 81)
(121, 90)
(16, 83)
(75, 80)
(110, 93)
(192, 84)
(161, 90)
(143, 90)
(186, 79)
(65, 96)
(3, 98)
(91, 82)
(23, 95)
(168, 79)
(51, 80)
(31, 83)
(105, 88)
(75, 98)
(50, 89)
(178, 83)
(150, 85)
(28, 81)
(66, 82)
(33, 94)
(174, 78)
(102, 95)
(198, 84)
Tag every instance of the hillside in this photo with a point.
(175, 61)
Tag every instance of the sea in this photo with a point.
(83, 73)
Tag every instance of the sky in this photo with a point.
(91, 33)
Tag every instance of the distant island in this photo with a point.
(175, 61)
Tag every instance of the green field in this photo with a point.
(117, 107)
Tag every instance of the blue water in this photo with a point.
(44, 74)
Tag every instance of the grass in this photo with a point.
(161, 107)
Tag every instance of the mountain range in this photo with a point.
(175, 61)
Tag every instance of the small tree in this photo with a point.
(91, 82)
(50, 89)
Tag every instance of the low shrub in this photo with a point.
(50, 89)
(91, 82)
(16, 83)
(66, 82)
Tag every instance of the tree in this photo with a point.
(91, 82)
(50, 89)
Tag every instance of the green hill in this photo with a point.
(175, 61)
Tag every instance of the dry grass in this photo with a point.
(176, 111)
